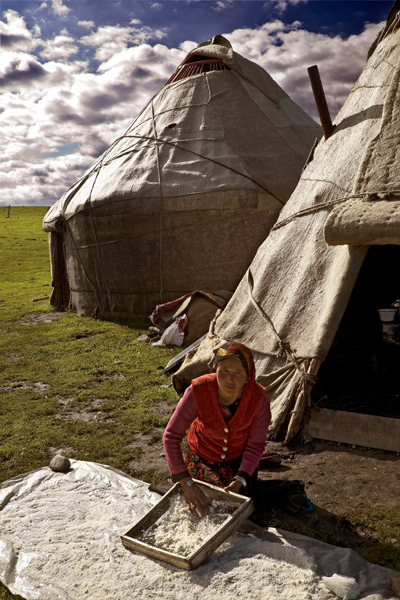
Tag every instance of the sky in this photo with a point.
(75, 73)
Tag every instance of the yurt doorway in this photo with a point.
(361, 373)
(59, 280)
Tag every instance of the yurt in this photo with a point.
(182, 200)
(329, 270)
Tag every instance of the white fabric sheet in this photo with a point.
(60, 539)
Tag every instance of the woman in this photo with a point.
(227, 414)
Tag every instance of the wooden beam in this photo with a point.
(354, 428)
(320, 101)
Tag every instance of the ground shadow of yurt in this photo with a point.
(183, 199)
(310, 294)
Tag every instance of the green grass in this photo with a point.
(93, 369)
(88, 385)
(383, 529)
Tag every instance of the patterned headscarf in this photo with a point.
(239, 351)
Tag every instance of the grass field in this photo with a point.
(52, 370)
(84, 386)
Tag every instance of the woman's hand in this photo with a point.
(196, 499)
(235, 486)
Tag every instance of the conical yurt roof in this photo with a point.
(289, 304)
(183, 199)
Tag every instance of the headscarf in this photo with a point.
(238, 351)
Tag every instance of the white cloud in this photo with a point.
(108, 40)
(20, 69)
(280, 6)
(87, 24)
(112, 39)
(142, 62)
(59, 8)
(62, 46)
(15, 34)
(286, 52)
(222, 5)
(71, 105)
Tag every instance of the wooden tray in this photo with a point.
(242, 508)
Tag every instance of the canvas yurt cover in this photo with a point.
(183, 199)
(288, 306)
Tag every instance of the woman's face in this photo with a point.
(231, 377)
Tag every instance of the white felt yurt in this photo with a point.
(182, 200)
(290, 303)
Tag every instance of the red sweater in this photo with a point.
(200, 408)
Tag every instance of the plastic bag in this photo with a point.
(174, 334)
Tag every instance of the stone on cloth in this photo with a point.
(60, 464)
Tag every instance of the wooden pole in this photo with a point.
(320, 101)
(9, 210)
(301, 400)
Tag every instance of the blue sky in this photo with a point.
(75, 73)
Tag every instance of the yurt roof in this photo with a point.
(202, 131)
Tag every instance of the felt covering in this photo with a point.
(363, 222)
(289, 304)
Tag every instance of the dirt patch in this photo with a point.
(340, 477)
(35, 318)
(82, 415)
(162, 409)
(88, 414)
(342, 482)
(114, 377)
(38, 386)
(85, 334)
(152, 458)
(64, 401)
(64, 451)
(14, 356)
